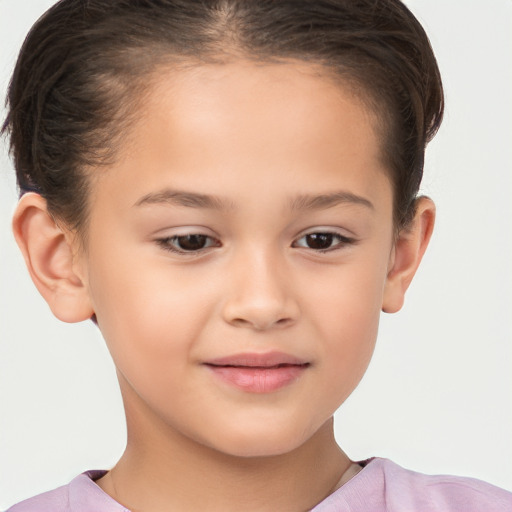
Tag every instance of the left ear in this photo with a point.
(407, 253)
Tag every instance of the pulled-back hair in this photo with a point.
(86, 63)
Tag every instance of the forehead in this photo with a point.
(254, 95)
(212, 126)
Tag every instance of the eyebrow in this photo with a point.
(188, 199)
(300, 203)
(324, 201)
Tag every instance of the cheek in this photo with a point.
(348, 300)
(148, 314)
(150, 323)
(347, 316)
(350, 344)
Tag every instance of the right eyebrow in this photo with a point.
(187, 199)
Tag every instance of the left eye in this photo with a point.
(187, 243)
(322, 241)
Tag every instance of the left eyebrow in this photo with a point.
(324, 201)
(187, 199)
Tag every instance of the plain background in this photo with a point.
(438, 395)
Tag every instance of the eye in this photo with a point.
(192, 242)
(323, 241)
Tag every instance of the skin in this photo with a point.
(284, 152)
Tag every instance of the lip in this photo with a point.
(258, 373)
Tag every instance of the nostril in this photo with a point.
(240, 322)
(259, 313)
(261, 325)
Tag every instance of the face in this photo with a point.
(238, 253)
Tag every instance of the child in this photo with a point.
(228, 189)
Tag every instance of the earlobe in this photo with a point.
(408, 251)
(49, 258)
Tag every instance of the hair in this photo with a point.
(86, 64)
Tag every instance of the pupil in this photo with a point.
(192, 242)
(319, 240)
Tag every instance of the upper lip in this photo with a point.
(257, 360)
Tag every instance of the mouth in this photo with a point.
(258, 373)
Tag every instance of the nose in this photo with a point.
(260, 296)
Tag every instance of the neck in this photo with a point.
(163, 470)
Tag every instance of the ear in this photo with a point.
(48, 254)
(407, 253)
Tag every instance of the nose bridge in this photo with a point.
(260, 294)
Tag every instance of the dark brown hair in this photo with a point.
(85, 63)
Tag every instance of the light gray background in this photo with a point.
(438, 395)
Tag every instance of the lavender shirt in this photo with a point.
(381, 486)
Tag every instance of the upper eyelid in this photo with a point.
(342, 239)
(208, 233)
(344, 233)
(165, 243)
(170, 231)
(180, 235)
(201, 231)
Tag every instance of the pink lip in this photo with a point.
(258, 373)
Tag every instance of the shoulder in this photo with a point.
(383, 486)
(82, 494)
(54, 501)
(400, 489)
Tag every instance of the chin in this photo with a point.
(262, 443)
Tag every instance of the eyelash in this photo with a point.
(342, 241)
(167, 242)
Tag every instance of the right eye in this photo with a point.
(189, 243)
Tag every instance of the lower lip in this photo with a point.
(258, 380)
